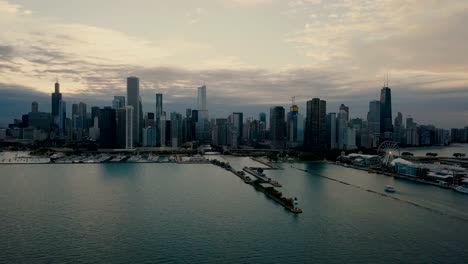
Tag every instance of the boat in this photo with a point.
(462, 189)
(390, 189)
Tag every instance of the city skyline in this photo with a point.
(245, 63)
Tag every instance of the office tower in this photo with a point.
(346, 109)
(124, 123)
(56, 98)
(149, 136)
(107, 126)
(398, 133)
(295, 127)
(83, 113)
(262, 117)
(373, 123)
(40, 120)
(201, 103)
(94, 112)
(93, 130)
(331, 130)
(410, 122)
(350, 142)
(162, 125)
(158, 113)
(277, 126)
(118, 102)
(176, 130)
(386, 127)
(168, 132)
(150, 121)
(316, 125)
(34, 107)
(237, 122)
(62, 117)
(133, 100)
(342, 129)
(220, 132)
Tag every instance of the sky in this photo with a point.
(251, 54)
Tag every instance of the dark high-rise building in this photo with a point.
(331, 130)
(316, 125)
(386, 127)
(373, 123)
(158, 113)
(56, 98)
(34, 107)
(237, 122)
(262, 117)
(220, 132)
(108, 127)
(399, 129)
(346, 109)
(133, 99)
(118, 102)
(277, 126)
(94, 112)
(124, 130)
(295, 127)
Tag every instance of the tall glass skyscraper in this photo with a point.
(133, 99)
(386, 127)
(202, 98)
(158, 114)
(277, 126)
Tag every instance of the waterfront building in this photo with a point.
(316, 125)
(176, 130)
(34, 107)
(157, 115)
(118, 102)
(331, 131)
(124, 124)
(220, 132)
(107, 125)
(3, 133)
(277, 126)
(149, 137)
(373, 123)
(236, 120)
(93, 130)
(412, 136)
(386, 127)
(426, 135)
(295, 127)
(399, 129)
(133, 100)
(442, 137)
(342, 129)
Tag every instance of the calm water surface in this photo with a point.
(168, 213)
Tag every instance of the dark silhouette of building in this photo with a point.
(277, 126)
(316, 125)
(386, 127)
(108, 127)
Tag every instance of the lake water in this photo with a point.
(441, 151)
(169, 213)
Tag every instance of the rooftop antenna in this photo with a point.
(293, 100)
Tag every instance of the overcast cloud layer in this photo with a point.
(252, 54)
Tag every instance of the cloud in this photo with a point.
(247, 3)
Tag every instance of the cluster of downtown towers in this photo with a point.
(125, 126)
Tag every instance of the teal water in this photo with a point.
(168, 213)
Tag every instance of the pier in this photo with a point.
(270, 192)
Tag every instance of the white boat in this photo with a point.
(461, 189)
(390, 189)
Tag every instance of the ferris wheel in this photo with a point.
(388, 151)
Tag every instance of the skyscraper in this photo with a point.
(34, 107)
(386, 127)
(331, 130)
(295, 127)
(56, 98)
(133, 100)
(373, 123)
(346, 109)
(277, 126)
(107, 127)
(202, 98)
(118, 102)
(237, 122)
(398, 133)
(124, 127)
(316, 126)
(158, 113)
